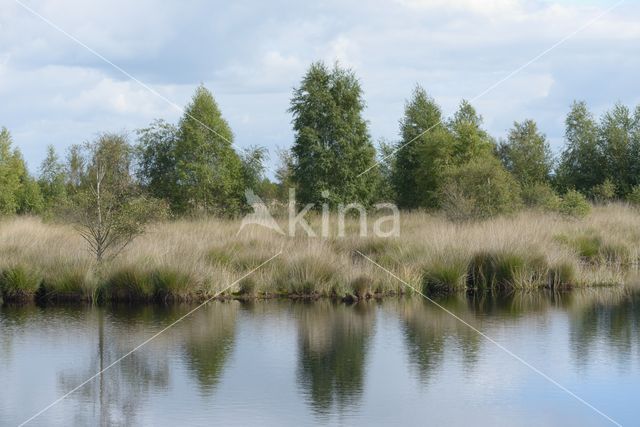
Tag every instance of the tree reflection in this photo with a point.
(209, 341)
(333, 341)
(605, 321)
(114, 397)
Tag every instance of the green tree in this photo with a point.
(9, 179)
(52, 180)
(156, 159)
(526, 154)
(470, 140)
(581, 161)
(418, 128)
(208, 170)
(387, 166)
(332, 146)
(434, 157)
(19, 193)
(107, 207)
(617, 148)
(253, 159)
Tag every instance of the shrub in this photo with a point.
(541, 196)
(574, 204)
(479, 189)
(634, 196)
(604, 192)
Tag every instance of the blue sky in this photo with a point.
(251, 54)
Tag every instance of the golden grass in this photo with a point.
(196, 259)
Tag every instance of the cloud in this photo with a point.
(251, 54)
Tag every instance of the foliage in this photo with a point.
(422, 118)
(19, 193)
(471, 142)
(155, 153)
(540, 196)
(581, 161)
(479, 189)
(332, 147)
(574, 204)
(526, 154)
(52, 180)
(208, 170)
(634, 195)
(604, 192)
(106, 208)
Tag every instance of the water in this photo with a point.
(292, 363)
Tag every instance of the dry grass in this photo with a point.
(195, 259)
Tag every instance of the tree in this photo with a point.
(52, 180)
(470, 140)
(284, 174)
(387, 167)
(332, 146)
(107, 208)
(526, 154)
(617, 147)
(19, 193)
(208, 170)
(156, 159)
(9, 179)
(581, 161)
(434, 158)
(252, 160)
(418, 129)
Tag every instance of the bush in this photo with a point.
(541, 196)
(574, 204)
(479, 189)
(604, 192)
(634, 196)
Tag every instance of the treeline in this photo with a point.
(443, 163)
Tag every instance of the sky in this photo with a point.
(251, 54)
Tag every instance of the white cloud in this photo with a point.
(252, 53)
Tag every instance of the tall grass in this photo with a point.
(197, 259)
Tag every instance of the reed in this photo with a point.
(197, 259)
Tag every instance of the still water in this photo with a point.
(399, 361)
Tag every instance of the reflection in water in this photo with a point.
(428, 328)
(209, 338)
(610, 323)
(114, 396)
(332, 344)
(322, 372)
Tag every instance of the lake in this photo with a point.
(280, 362)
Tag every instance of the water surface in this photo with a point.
(294, 363)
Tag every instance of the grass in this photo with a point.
(197, 259)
